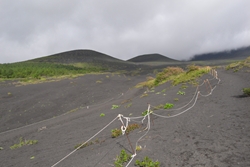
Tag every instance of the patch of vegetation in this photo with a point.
(115, 107)
(23, 143)
(1, 148)
(144, 95)
(175, 74)
(161, 106)
(37, 70)
(164, 90)
(126, 101)
(150, 83)
(246, 91)
(144, 113)
(117, 132)
(190, 75)
(176, 99)
(102, 115)
(183, 86)
(147, 162)
(167, 73)
(32, 157)
(128, 105)
(73, 110)
(98, 81)
(236, 66)
(138, 148)
(180, 92)
(168, 105)
(86, 144)
(122, 158)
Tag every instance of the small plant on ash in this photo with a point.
(117, 132)
(168, 105)
(144, 113)
(122, 158)
(147, 162)
(144, 95)
(23, 143)
(160, 106)
(102, 115)
(246, 91)
(180, 92)
(138, 148)
(115, 107)
(176, 99)
(81, 145)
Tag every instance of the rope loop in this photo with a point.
(123, 128)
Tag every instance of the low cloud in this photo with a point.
(122, 29)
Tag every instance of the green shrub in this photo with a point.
(115, 107)
(180, 93)
(116, 132)
(144, 113)
(147, 162)
(246, 91)
(122, 158)
(168, 105)
(102, 115)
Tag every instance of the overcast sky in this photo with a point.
(123, 29)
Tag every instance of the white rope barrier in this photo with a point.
(124, 126)
(84, 142)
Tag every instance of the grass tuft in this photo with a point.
(246, 91)
(175, 74)
(147, 162)
(117, 132)
(23, 143)
(236, 66)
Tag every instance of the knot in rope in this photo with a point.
(123, 128)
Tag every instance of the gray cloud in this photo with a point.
(122, 29)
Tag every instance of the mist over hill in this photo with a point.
(233, 54)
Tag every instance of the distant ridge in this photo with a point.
(77, 56)
(240, 53)
(151, 58)
(90, 57)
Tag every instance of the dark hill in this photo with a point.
(78, 56)
(151, 58)
(90, 57)
(240, 53)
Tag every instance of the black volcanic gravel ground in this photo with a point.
(214, 133)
